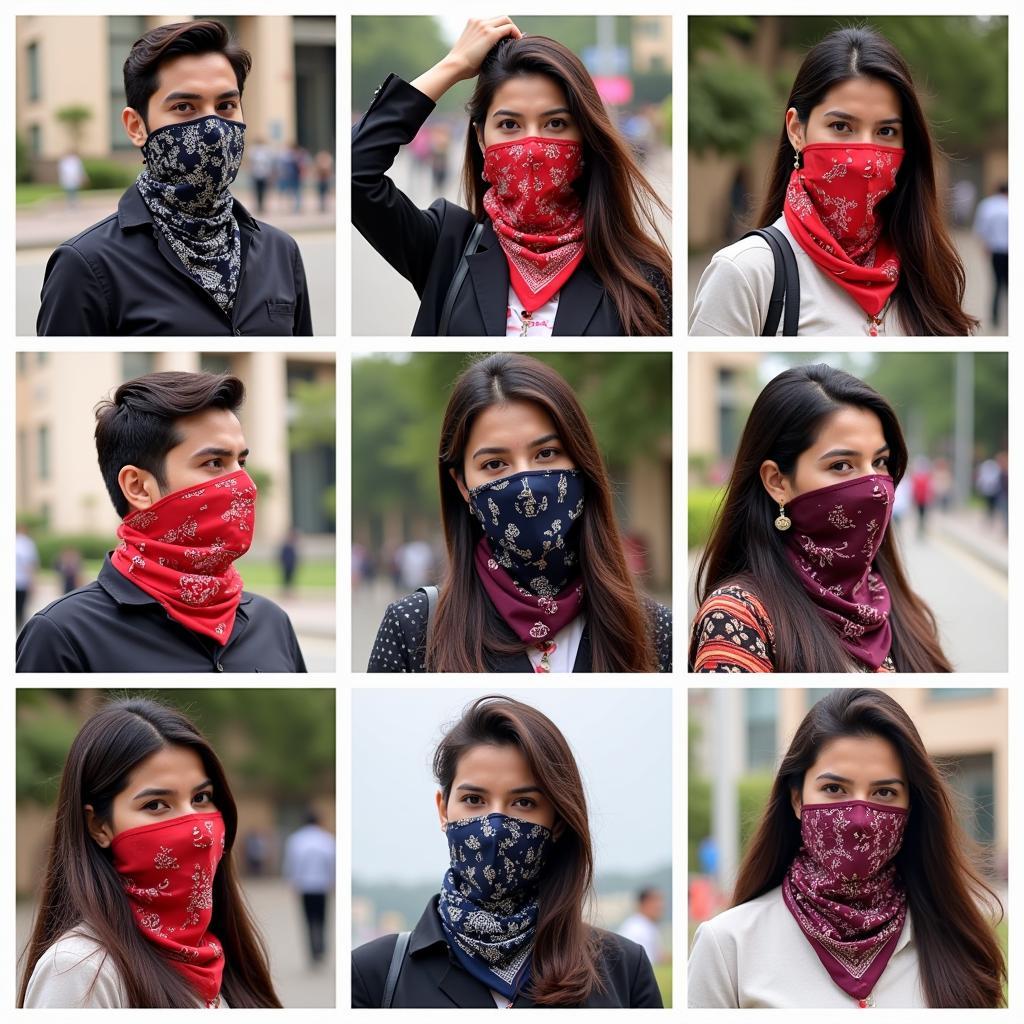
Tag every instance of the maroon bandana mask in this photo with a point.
(835, 536)
(844, 891)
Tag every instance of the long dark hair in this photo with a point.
(930, 292)
(746, 548)
(82, 888)
(467, 627)
(623, 241)
(961, 962)
(566, 950)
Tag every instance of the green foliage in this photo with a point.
(73, 118)
(753, 791)
(88, 545)
(314, 422)
(663, 976)
(698, 802)
(22, 160)
(701, 506)
(709, 32)
(383, 45)
(44, 734)
(108, 174)
(731, 105)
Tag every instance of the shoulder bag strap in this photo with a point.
(791, 320)
(777, 301)
(460, 275)
(395, 969)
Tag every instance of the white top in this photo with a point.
(734, 291)
(756, 956)
(309, 859)
(645, 932)
(992, 222)
(71, 171)
(567, 644)
(26, 560)
(542, 323)
(75, 972)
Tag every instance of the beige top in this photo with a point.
(755, 955)
(734, 291)
(75, 972)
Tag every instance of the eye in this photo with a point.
(838, 126)
(216, 463)
(525, 801)
(892, 131)
(557, 123)
(831, 787)
(473, 799)
(206, 797)
(841, 466)
(182, 106)
(508, 124)
(228, 105)
(548, 453)
(883, 462)
(887, 792)
(492, 465)
(155, 805)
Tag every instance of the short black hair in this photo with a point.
(164, 43)
(136, 426)
(646, 893)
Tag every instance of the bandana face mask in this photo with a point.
(488, 903)
(836, 534)
(181, 551)
(167, 871)
(843, 889)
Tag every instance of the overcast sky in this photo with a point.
(623, 746)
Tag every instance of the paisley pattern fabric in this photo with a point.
(181, 551)
(832, 544)
(167, 871)
(831, 210)
(488, 903)
(844, 891)
(185, 185)
(536, 213)
(528, 558)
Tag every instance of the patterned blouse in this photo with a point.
(733, 633)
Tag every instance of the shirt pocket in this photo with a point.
(281, 310)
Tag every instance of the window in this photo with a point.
(951, 693)
(215, 362)
(122, 31)
(32, 61)
(727, 400)
(760, 715)
(35, 139)
(43, 453)
(972, 779)
(137, 364)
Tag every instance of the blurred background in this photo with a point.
(289, 423)
(629, 57)
(952, 508)
(277, 748)
(622, 743)
(737, 738)
(398, 402)
(70, 94)
(741, 70)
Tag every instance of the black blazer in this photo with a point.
(426, 246)
(120, 277)
(432, 978)
(401, 644)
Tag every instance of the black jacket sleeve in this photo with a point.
(303, 327)
(370, 963)
(643, 988)
(72, 301)
(401, 644)
(44, 647)
(390, 221)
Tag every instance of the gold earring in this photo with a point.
(783, 522)
(796, 159)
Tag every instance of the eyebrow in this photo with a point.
(470, 788)
(227, 452)
(501, 451)
(848, 451)
(547, 113)
(878, 782)
(852, 117)
(229, 95)
(169, 792)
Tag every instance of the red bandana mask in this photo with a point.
(537, 215)
(844, 892)
(167, 870)
(835, 535)
(181, 551)
(830, 210)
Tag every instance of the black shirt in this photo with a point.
(121, 277)
(110, 625)
(433, 978)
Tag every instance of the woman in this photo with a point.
(858, 888)
(140, 905)
(802, 572)
(567, 241)
(537, 577)
(507, 927)
(852, 192)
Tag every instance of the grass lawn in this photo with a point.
(663, 975)
(30, 192)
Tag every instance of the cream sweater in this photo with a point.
(734, 291)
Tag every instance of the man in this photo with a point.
(642, 925)
(26, 561)
(169, 598)
(71, 175)
(309, 866)
(992, 225)
(181, 256)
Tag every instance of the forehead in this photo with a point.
(868, 99)
(494, 766)
(528, 94)
(510, 425)
(851, 427)
(861, 758)
(170, 767)
(219, 427)
(206, 74)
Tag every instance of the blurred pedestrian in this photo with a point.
(965, 195)
(261, 169)
(140, 904)
(415, 562)
(26, 562)
(288, 558)
(291, 166)
(988, 481)
(323, 168)
(992, 226)
(440, 143)
(942, 483)
(71, 175)
(257, 851)
(68, 565)
(308, 865)
(643, 925)
(922, 491)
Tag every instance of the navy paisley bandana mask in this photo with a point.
(488, 903)
(185, 185)
(529, 519)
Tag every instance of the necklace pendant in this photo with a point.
(873, 331)
(866, 1003)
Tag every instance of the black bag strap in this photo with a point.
(460, 275)
(784, 303)
(395, 969)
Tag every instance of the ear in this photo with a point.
(796, 802)
(480, 136)
(139, 487)
(102, 834)
(775, 483)
(557, 829)
(442, 809)
(460, 483)
(134, 126)
(795, 129)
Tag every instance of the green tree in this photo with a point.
(73, 118)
